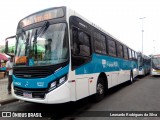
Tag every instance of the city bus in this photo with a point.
(144, 64)
(155, 65)
(61, 57)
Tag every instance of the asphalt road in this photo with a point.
(142, 95)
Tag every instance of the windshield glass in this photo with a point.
(45, 45)
(156, 62)
(140, 60)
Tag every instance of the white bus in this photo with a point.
(61, 56)
(155, 65)
(144, 64)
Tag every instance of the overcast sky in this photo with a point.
(118, 17)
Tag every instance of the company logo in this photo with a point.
(6, 114)
(20, 115)
(26, 84)
(27, 76)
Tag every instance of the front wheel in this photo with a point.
(131, 78)
(100, 90)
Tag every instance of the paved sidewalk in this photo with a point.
(4, 97)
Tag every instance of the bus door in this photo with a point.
(80, 55)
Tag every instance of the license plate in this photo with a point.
(27, 94)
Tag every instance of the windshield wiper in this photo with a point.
(43, 29)
(23, 35)
(35, 44)
(37, 34)
(27, 43)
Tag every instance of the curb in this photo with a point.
(3, 102)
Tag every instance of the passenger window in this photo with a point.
(99, 43)
(125, 52)
(81, 47)
(111, 47)
(119, 50)
(84, 44)
(130, 53)
(81, 43)
(133, 55)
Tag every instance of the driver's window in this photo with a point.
(81, 47)
(81, 43)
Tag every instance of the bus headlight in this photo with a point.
(153, 70)
(57, 83)
(61, 80)
(53, 84)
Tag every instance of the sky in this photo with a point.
(118, 17)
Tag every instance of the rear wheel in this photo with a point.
(100, 90)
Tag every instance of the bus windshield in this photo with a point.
(156, 63)
(46, 45)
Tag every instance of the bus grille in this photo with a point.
(29, 72)
(36, 93)
(32, 73)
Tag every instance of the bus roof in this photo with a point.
(96, 26)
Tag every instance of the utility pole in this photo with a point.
(142, 31)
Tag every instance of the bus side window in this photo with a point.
(81, 47)
(84, 44)
(75, 48)
(99, 43)
(125, 52)
(136, 55)
(130, 54)
(81, 43)
(111, 47)
(119, 50)
(133, 56)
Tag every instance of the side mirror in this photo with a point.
(10, 45)
(6, 47)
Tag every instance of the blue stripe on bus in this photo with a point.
(39, 82)
(101, 63)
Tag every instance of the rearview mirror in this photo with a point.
(10, 45)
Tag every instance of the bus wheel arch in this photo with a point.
(101, 87)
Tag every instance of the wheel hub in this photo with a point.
(100, 88)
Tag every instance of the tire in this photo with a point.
(131, 78)
(100, 90)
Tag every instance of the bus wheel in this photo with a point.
(100, 90)
(131, 78)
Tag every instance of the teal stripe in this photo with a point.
(101, 63)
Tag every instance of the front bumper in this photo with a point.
(155, 73)
(58, 95)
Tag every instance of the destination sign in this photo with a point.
(42, 16)
(156, 56)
